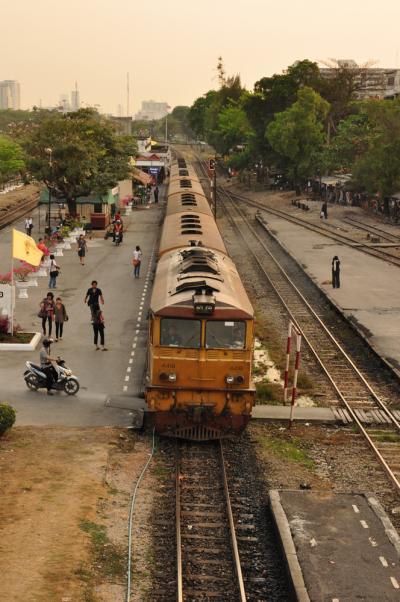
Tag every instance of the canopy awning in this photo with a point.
(141, 176)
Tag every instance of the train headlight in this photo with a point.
(172, 377)
(240, 379)
(229, 380)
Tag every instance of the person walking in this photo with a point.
(336, 272)
(54, 272)
(82, 249)
(61, 316)
(46, 313)
(324, 210)
(93, 297)
(156, 193)
(98, 329)
(28, 225)
(136, 261)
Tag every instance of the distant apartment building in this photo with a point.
(75, 100)
(152, 110)
(123, 124)
(372, 82)
(10, 94)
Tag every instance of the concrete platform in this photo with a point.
(268, 412)
(370, 287)
(338, 547)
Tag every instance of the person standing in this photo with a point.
(336, 272)
(61, 316)
(98, 329)
(82, 249)
(46, 312)
(324, 209)
(156, 193)
(54, 272)
(28, 225)
(93, 296)
(136, 261)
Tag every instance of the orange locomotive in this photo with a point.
(198, 384)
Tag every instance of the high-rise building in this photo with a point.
(64, 103)
(369, 81)
(152, 110)
(75, 99)
(10, 94)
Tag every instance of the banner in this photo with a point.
(24, 248)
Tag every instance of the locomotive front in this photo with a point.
(199, 382)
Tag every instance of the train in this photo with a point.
(198, 381)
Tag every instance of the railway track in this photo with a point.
(9, 216)
(364, 247)
(370, 229)
(208, 562)
(353, 389)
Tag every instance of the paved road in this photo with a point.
(102, 375)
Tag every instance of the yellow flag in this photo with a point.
(24, 248)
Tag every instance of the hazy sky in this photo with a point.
(170, 48)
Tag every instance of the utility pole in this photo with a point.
(215, 193)
(127, 94)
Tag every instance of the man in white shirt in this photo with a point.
(28, 225)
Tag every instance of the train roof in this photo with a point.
(188, 202)
(186, 172)
(181, 274)
(185, 185)
(180, 229)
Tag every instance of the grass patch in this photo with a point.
(304, 382)
(385, 437)
(287, 450)
(269, 393)
(109, 560)
(18, 337)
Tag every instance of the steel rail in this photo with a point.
(349, 408)
(373, 230)
(179, 572)
(17, 212)
(235, 549)
(358, 246)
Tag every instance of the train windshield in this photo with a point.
(180, 333)
(221, 334)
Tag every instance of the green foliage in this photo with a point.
(11, 159)
(296, 134)
(87, 156)
(377, 169)
(287, 450)
(7, 417)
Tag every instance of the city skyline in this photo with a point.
(181, 66)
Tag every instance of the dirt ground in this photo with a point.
(16, 197)
(65, 496)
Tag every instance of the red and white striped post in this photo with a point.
(292, 328)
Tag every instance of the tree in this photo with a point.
(352, 140)
(11, 159)
(296, 134)
(378, 168)
(233, 128)
(86, 154)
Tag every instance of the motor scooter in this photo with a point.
(36, 379)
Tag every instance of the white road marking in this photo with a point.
(355, 508)
(137, 332)
(125, 388)
(126, 378)
(372, 542)
(132, 353)
(139, 314)
(383, 561)
(394, 583)
(135, 339)
(133, 345)
(364, 524)
(131, 361)
(335, 599)
(129, 369)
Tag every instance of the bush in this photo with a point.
(7, 417)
